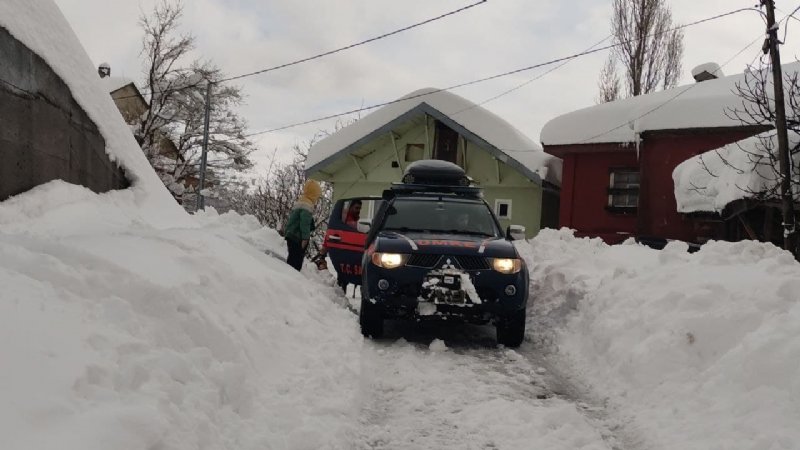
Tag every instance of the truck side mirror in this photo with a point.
(515, 233)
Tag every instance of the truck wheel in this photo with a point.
(511, 329)
(371, 319)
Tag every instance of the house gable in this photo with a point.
(425, 110)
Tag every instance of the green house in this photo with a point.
(520, 181)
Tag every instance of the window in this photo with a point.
(415, 152)
(623, 190)
(446, 143)
(432, 216)
(502, 209)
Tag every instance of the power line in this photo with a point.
(520, 86)
(328, 53)
(347, 47)
(504, 74)
(682, 91)
(670, 100)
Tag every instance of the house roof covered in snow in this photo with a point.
(697, 105)
(711, 181)
(41, 26)
(474, 122)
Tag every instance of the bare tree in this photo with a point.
(759, 162)
(274, 195)
(609, 83)
(171, 129)
(649, 47)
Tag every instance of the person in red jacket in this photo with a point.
(353, 214)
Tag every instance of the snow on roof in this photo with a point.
(696, 105)
(111, 84)
(42, 28)
(476, 119)
(711, 181)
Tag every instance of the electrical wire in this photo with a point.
(347, 47)
(668, 101)
(328, 53)
(679, 94)
(493, 77)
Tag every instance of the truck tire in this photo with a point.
(371, 319)
(511, 329)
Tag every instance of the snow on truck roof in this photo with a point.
(696, 105)
(506, 142)
(41, 27)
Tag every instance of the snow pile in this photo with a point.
(115, 334)
(699, 349)
(514, 146)
(696, 105)
(711, 181)
(42, 28)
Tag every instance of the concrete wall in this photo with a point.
(44, 133)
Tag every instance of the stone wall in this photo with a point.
(44, 133)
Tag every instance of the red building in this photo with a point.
(619, 158)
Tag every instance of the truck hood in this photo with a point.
(444, 244)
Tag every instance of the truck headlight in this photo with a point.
(507, 265)
(389, 260)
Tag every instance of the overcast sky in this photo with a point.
(497, 36)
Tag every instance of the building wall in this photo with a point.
(44, 133)
(660, 154)
(584, 194)
(130, 103)
(584, 187)
(499, 180)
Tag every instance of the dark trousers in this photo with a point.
(296, 254)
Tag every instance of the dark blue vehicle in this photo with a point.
(435, 250)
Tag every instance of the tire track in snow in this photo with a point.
(417, 394)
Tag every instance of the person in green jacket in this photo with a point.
(300, 224)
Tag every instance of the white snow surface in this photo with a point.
(42, 28)
(115, 334)
(475, 118)
(709, 182)
(699, 351)
(697, 105)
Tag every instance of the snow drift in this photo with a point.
(115, 334)
(700, 350)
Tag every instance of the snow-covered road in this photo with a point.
(428, 387)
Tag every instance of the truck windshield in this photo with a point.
(441, 216)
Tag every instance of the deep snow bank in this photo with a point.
(701, 349)
(117, 335)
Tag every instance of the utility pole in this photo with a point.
(784, 158)
(204, 156)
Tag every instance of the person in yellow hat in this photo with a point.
(300, 224)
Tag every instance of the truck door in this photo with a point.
(345, 238)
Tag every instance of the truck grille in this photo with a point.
(473, 262)
(423, 260)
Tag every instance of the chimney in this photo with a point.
(104, 70)
(707, 71)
